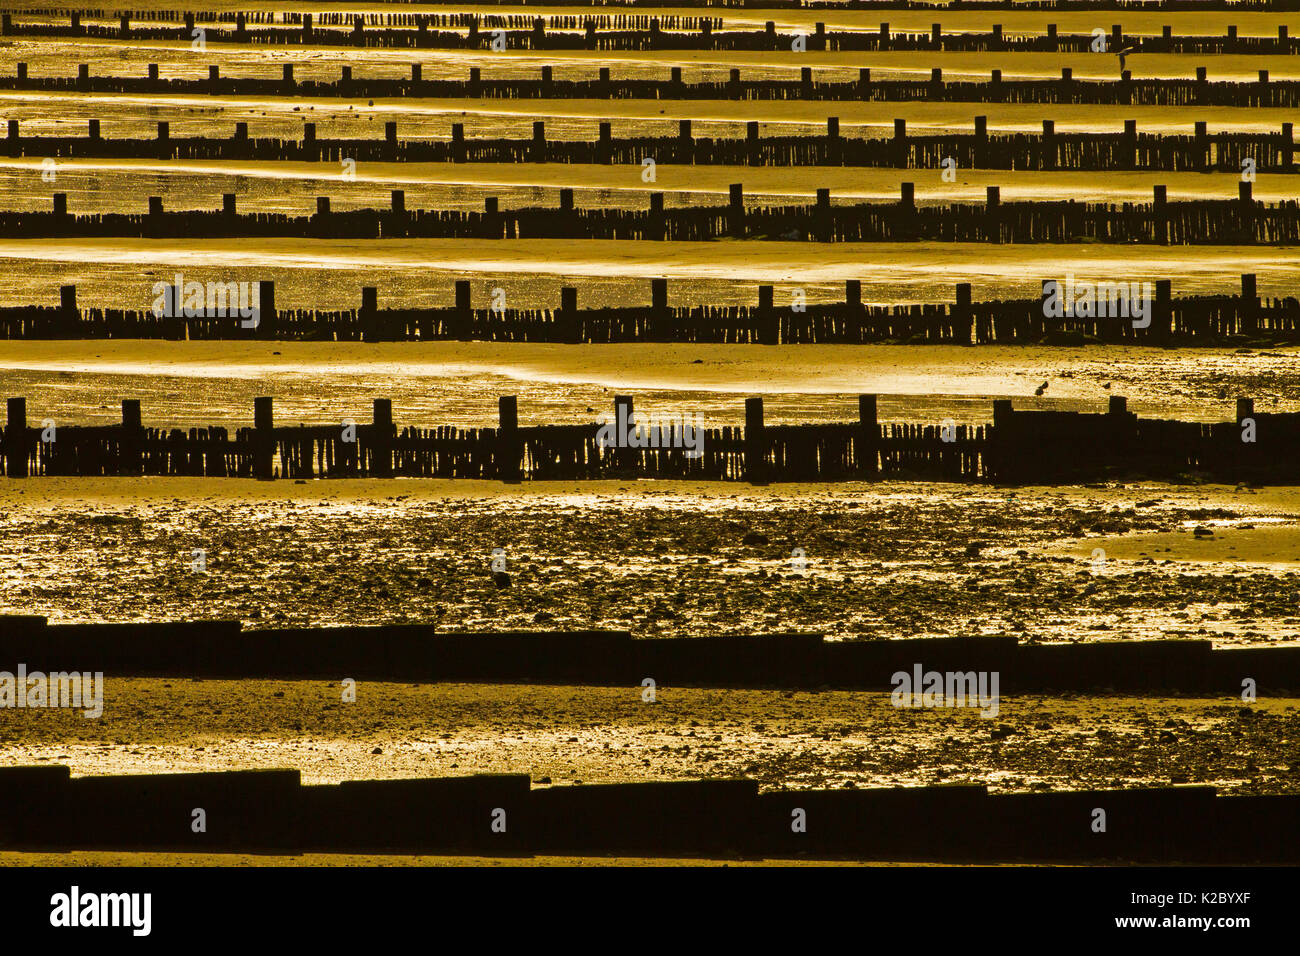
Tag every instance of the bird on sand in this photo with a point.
(1040, 389)
(1123, 56)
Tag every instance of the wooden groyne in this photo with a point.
(45, 808)
(1199, 6)
(1197, 151)
(224, 650)
(1019, 447)
(623, 33)
(811, 85)
(1200, 320)
(1240, 221)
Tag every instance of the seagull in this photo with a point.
(1123, 56)
(1041, 388)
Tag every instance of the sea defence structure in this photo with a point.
(1245, 318)
(423, 653)
(269, 811)
(1019, 447)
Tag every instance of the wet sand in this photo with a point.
(570, 736)
(657, 558)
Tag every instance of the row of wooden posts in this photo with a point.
(1225, 151)
(706, 34)
(1262, 92)
(1191, 320)
(270, 811)
(1240, 221)
(1018, 447)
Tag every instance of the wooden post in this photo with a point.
(381, 439)
(736, 209)
(605, 143)
(268, 321)
(570, 323)
(1162, 320)
(16, 439)
(768, 325)
(463, 323)
(509, 447)
(824, 225)
(624, 455)
(659, 296)
(867, 441)
(755, 443)
(1249, 308)
(961, 316)
(539, 141)
(992, 202)
(1160, 214)
(130, 444)
(1246, 197)
(263, 439)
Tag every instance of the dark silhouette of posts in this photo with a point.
(736, 209)
(993, 203)
(867, 440)
(462, 325)
(625, 457)
(368, 314)
(659, 296)
(539, 142)
(568, 319)
(1248, 320)
(961, 315)
(268, 321)
(130, 443)
(15, 438)
(768, 324)
(824, 224)
(509, 447)
(605, 143)
(382, 435)
(263, 439)
(1162, 314)
(1246, 198)
(755, 443)
(1160, 214)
